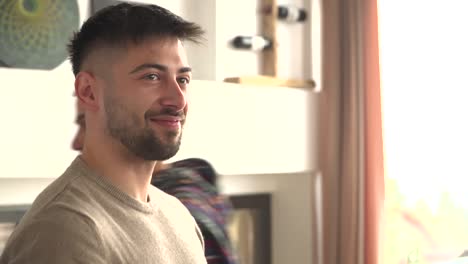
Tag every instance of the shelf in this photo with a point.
(271, 81)
(269, 61)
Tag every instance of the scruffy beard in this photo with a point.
(125, 126)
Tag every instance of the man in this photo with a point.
(131, 77)
(193, 182)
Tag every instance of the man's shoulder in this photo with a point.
(67, 204)
(56, 215)
(68, 192)
(63, 210)
(63, 203)
(47, 234)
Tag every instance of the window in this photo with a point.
(424, 61)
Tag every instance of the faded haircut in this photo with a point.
(125, 23)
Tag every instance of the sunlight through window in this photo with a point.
(424, 56)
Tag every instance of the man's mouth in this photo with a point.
(167, 121)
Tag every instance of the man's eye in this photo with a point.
(184, 80)
(152, 77)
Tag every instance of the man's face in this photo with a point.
(144, 98)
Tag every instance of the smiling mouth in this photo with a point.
(172, 123)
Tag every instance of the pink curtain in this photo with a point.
(350, 136)
(374, 163)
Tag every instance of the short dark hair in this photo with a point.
(125, 22)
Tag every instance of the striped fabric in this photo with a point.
(193, 182)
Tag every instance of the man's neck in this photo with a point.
(121, 168)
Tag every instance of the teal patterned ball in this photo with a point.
(34, 33)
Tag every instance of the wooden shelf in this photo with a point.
(271, 81)
(269, 62)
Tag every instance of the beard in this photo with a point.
(142, 141)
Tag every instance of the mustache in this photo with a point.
(165, 112)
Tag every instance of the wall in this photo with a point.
(37, 113)
(242, 129)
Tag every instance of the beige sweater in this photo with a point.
(81, 218)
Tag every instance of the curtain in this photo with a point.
(350, 133)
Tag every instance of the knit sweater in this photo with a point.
(82, 218)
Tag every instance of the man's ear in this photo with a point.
(86, 90)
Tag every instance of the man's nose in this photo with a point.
(174, 95)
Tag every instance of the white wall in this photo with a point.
(36, 114)
(241, 129)
(248, 129)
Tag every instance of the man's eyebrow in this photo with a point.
(184, 69)
(150, 66)
(158, 67)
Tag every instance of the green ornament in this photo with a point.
(34, 33)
